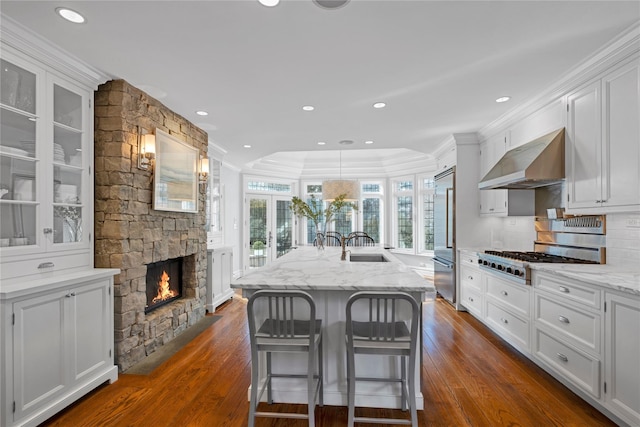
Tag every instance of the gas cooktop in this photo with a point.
(538, 257)
(515, 265)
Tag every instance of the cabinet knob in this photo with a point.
(562, 357)
(503, 320)
(505, 293)
(563, 289)
(470, 299)
(563, 319)
(470, 277)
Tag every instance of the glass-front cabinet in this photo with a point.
(44, 164)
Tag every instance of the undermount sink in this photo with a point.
(367, 258)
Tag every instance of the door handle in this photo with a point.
(442, 263)
(270, 238)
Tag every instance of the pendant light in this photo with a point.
(331, 189)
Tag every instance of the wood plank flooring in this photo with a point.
(470, 378)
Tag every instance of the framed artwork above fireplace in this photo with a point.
(175, 180)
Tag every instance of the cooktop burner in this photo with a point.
(538, 257)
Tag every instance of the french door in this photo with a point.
(269, 230)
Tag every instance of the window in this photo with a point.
(426, 193)
(403, 197)
(268, 186)
(372, 218)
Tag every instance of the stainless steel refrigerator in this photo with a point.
(444, 210)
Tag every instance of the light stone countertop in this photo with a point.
(307, 269)
(612, 277)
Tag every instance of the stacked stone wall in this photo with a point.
(129, 234)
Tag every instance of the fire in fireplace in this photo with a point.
(163, 283)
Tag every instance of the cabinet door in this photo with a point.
(89, 315)
(20, 151)
(226, 274)
(622, 347)
(583, 147)
(69, 177)
(492, 201)
(39, 351)
(621, 136)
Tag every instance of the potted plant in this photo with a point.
(258, 247)
(314, 212)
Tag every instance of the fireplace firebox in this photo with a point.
(164, 283)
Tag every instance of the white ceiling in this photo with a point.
(439, 65)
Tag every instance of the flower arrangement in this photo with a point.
(314, 211)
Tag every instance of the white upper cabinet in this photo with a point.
(45, 179)
(603, 143)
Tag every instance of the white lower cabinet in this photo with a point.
(507, 309)
(219, 274)
(622, 356)
(471, 286)
(57, 345)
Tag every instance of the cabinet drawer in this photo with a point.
(568, 289)
(468, 258)
(581, 326)
(579, 368)
(471, 300)
(515, 296)
(471, 277)
(506, 323)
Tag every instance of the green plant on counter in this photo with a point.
(258, 245)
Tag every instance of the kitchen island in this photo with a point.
(331, 282)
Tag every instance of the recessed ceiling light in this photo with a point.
(321, 142)
(70, 15)
(503, 99)
(308, 108)
(379, 105)
(246, 146)
(202, 113)
(368, 142)
(269, 3)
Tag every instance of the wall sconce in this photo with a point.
(146, 150)
(203, 172)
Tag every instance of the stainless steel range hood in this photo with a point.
(535, 164)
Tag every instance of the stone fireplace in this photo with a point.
(164, 283)
(130, 235)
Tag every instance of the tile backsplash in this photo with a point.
(623, 239)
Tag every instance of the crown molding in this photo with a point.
(24, 40)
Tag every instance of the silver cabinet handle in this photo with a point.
(505, 293)
(562, 357)
(563, 289)
(470, 277)
(70, 294)
(563, 319)
(503, 320)
(46, 265)
(470, 299)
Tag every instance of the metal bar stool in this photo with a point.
(284, 321)
(384, 332)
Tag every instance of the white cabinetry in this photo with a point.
(567, 336)
(56, 309)
(507, 309)
(46, 154)
(501, 202)
(57, 344)
(471, 285)
(622, 355)
(588, 337)
(219, 272)
(603, 153)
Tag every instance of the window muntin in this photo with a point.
(273, 187)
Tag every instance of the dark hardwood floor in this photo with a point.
(470, 378)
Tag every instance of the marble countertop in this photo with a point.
(608, 276)
(307, 269)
